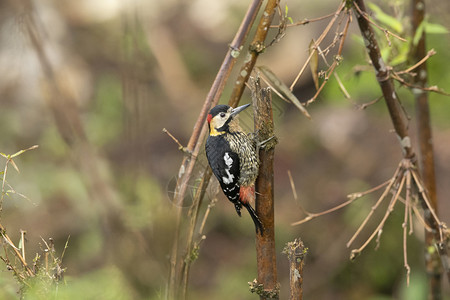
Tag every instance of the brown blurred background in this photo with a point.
(93, 83)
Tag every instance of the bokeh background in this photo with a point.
(93, 83)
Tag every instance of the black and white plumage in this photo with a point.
(233, 159)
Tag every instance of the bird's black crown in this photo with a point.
(218, 109)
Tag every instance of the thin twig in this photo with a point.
(315, 215)
(380, 226)
(294, 193)
(306, 21)
(433, 89)
(425, 198)
(352, 197)
(405, 226)
(421, 219)
(386, 191)
(419, 63)
(319, 40)
(193, 212)
(385, 31)
(335, 74)
(337, 36)
(365, 105)
(369, 191)
(181, 147)
(211, 204)
(16, 251)
(336, 61)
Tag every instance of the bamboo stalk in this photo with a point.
(265, 243)
(256, 47)
(426, 155)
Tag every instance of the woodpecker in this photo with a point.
(233, 158)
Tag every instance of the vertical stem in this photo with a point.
(265, 243)
(193, 212)
(256, 47)
(426, 156)
(295, 252)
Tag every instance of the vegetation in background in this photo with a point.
(94, 87)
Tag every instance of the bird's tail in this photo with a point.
(258, 225)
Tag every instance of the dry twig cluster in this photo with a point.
(48, 269)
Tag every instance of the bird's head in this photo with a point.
(221, 117)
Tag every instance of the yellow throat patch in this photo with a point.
(214, 132)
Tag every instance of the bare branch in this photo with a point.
(380, 226)
(365, 105)
(405, 226)
(382, 74)
(393, 179)
(336, 61)
(352, 197)
(319, 40)
(419, 63)
(419, 89)
(306, 21)
(181, 147)
(386, 32)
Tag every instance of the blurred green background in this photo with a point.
(120, 72)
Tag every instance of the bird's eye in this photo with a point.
(222, 115)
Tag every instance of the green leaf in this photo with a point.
(386, 19)
(432, 28)
(418, 34)
(402, 55)
(314, 63)
(14, 165)
(358, 39)
(386, 53)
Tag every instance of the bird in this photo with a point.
(232, 156)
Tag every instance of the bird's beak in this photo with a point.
(238, 109)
